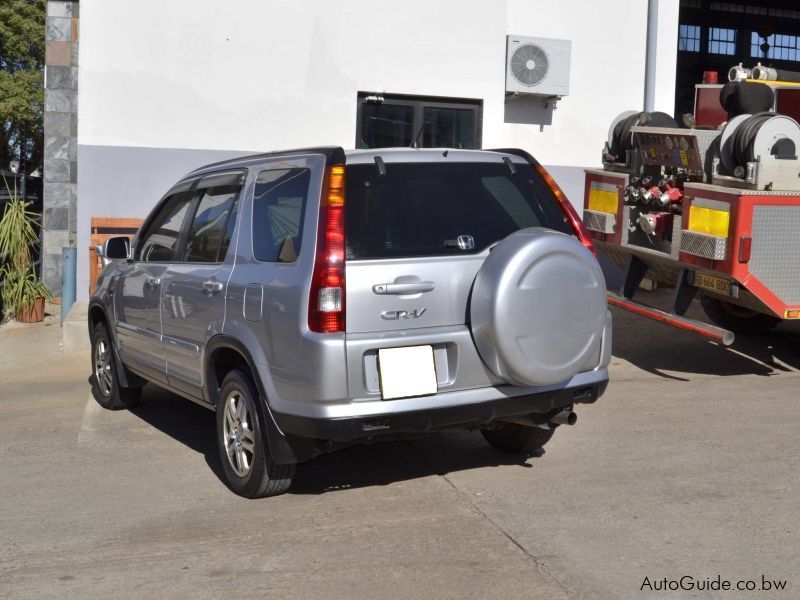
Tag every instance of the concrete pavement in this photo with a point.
(687, 466)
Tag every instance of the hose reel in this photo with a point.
(750, 138)
(620, 140)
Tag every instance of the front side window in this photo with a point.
(209, 236)
(279, 203)
(159, 242)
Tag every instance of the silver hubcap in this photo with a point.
(238, 432)
(102, 367)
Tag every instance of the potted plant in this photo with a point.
(23, 294)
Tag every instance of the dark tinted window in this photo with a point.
(279, 205)
(209, 235)
(159, 242)
(421, 209)
(449, 128)
(387, 120)
(386, 125)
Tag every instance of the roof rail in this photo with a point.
(334, 155)
(517, 152)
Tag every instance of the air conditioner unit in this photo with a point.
(537, 66)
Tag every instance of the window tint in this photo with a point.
(448, 128)
(386, 125)
(421, 209)
(386, 120)
(279, 204)
(159, 242)
(209, 235)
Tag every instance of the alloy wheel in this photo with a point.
(238, 433)
(102, 367)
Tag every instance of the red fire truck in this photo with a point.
(712, 210)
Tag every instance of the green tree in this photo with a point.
(22, 82)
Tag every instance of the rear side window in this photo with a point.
(279, 204)
(209, 236)
(423, 209)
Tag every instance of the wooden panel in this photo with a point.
(102, 229)
(115, 223)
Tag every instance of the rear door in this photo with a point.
(417, 235)
(193, 300)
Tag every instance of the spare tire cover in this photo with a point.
(538, 308)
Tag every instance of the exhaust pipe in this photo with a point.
(565, 417)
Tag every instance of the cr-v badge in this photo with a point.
(394, 315)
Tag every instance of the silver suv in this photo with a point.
(318, 297)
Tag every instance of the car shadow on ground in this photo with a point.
(667, 352)
(384, 463)
(357, 466)
(183, 420)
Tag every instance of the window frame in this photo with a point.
(195, 186)
(696, 43)
(156, 213)
(756, 40)
(196, 200)
(720, 42)
(420, 103)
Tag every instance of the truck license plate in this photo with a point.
(714, 284)
(407, 372)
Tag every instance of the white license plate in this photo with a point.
(407, 372)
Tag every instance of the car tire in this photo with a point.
(517, 439)
(736, 318)
(106, 387)
(244, 451)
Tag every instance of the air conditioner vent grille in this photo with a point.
(529, 64)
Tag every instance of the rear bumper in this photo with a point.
(393, 421)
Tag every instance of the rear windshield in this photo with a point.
(434, 209)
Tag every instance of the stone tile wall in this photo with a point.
(60, 137)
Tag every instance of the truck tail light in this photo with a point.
(745, 246)
(569, 210)
(326, 299)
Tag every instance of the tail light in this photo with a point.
(326, 298)
(569, 211)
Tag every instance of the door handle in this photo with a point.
(212, 287)
(396, 289)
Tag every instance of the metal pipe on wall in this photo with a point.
(68, 273)
(650, 56)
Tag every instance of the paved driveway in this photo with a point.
(688, 466)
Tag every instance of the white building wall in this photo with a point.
(605, 78)
(243, 75)
(159, 78)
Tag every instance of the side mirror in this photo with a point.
(116, 248)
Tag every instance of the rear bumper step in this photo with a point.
(420, 421)
(711, 332)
